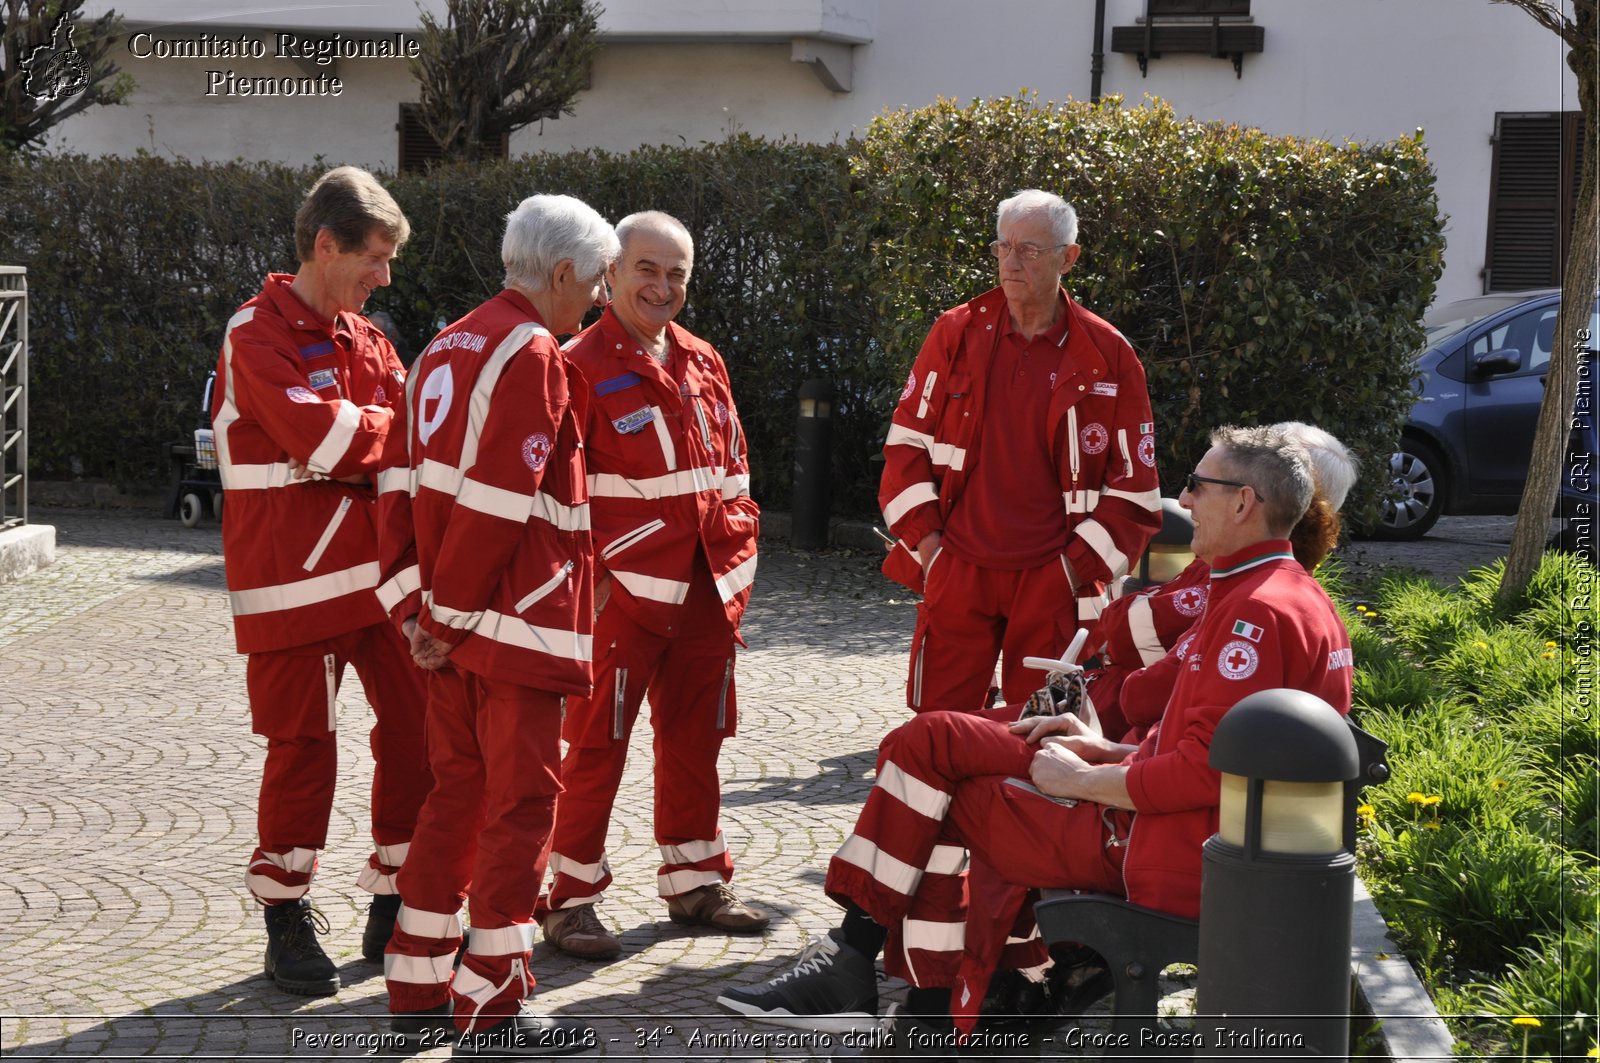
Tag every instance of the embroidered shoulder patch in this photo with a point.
(536, 451)
(299, 394)
(1238, 660)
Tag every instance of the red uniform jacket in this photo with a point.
(1100, 425)
(301, 555)
(1132, 634)
(1267, 624)
(668, 476)
(485, 518)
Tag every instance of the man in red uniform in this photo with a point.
(1073, 810)
(1019, 472)
(307, 385)
(488, 558)
(675, 534)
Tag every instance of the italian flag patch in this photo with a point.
(1249, 631)
(1147, 428)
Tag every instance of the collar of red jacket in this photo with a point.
(1251, 557)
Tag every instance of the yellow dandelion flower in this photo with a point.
(1549, 645)
(1416, 797)
(1546, 656)
(1498, 784)
(1432, 799)
(1594, 1053)
(1366, 810)
(1480, 645)
(1432, 824)
(1372, 614)
(1526, 1020)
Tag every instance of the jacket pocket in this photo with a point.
(543, 590)
(632, 538)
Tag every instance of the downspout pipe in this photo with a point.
(1097, 59)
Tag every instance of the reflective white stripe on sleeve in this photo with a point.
(675, 882)
(513, 631)
(336, 443)
(393, 591)
(652, 588)
(901, 436)
(686, 482)
(591, 873)
(927, 394)
(301, 593)
(947, 860)
(418, 970)
(737, 580)
(735, 485)
(420, 924)
(695, 851)
(1142, 626)
(495, 501)
(950, 455)
(886, 870)
(1150, 500)
(394, 480)
(437, 476)
(912, 791)
(455, 619)
(929, 936)
(909, 499)
(256, 477)
(227, 411)
(1099, 540)
(501, 940)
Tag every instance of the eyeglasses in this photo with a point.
(1192, 484)
(1026, 252)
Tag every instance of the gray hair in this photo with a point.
(543, 230)
(1275, 466)
(654, 221)
(1332, 463)
(1063, 219)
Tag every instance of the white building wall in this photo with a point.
(688, 71)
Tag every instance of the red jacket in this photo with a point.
(301, 555)
(1131, 636)
(1267, 624)
(668, 476)
(485, 521)
(1102, 433)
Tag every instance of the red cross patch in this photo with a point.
(1094, 438)
(536, 450)
(1238, 660)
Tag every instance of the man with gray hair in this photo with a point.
(1045, 801)
(1019, 472)
(487, 559)
(675, 537)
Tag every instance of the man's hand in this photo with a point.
(1057, 770)
(928, 547)
(428, 652)
(299, 470)
(602, 593)
(1073, 734)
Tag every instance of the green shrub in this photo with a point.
(1557, 982)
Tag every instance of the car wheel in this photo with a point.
(1415, 498)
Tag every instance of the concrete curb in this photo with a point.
(1386, 985)
(25, 549)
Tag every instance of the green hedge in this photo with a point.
(1259, 277)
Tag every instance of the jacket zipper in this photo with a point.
(624, 541)
(705, 426)
(327, 533)
(722, 698)
(544, 588)
(618, 700)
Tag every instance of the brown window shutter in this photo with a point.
(1530, 202)
(418, 149)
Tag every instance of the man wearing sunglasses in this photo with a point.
(1019, 475)
(1045, 802)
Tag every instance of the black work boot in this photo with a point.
(295, 960)
(381, 914)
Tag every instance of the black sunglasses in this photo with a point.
(1192, 484)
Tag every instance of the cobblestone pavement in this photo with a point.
(126, 814)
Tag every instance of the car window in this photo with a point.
(1530, 333)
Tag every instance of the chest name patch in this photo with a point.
(322, 378)
(633, 422)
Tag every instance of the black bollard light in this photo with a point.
(1277, 883)
(813, 466)
(1169, 552)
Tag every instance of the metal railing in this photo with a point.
(13, 396)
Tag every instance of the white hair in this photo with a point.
(543, 230)
(654, 221)
(1063, 219)
(1332, 463)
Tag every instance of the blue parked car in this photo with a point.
(1466, 445)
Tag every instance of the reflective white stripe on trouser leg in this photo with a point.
(430, 926)
(330, 677)
(478, 989)
(502, 940)
(672, 883)
(377, 881)
(295, 862)
(589, 873)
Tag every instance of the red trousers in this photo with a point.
(969, 614)
(293, 699)
(485, 829)
(948, 781)
(693, 707)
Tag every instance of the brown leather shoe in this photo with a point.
(579, 932)
(716, 906)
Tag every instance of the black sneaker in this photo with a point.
(831, 987)
(526, 1034)
(295, 960)
(422, 1030)
(381, 914)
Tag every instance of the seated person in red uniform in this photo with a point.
(1045, 802)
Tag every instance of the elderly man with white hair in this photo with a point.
(488, 560)
(1020, 472)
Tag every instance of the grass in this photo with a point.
(1481, 848)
